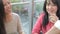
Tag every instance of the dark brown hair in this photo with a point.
(2, 17)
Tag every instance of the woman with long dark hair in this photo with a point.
(9, 22)
(48, 18)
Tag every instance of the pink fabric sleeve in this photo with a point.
(37, 27)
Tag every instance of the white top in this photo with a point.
(14, 26)
(57, 24)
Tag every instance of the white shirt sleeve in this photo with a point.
(57, 24)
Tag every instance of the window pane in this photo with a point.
(14, 1)
(22, 10)
(39, 0)
(26, 0)
(38, 7)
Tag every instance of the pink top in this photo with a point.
(38, 26)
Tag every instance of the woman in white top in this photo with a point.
(9, 22)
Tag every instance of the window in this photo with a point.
(24, 9)
(14, 1)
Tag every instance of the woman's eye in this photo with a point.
(8, 2)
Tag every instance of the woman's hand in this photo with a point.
(53, 18)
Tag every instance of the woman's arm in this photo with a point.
(37, 27)
(19, 26)
(55, 29)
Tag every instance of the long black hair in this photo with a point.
(2, 17)
(46, 19)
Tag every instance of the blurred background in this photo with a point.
(28, 10)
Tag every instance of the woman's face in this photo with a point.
(7, 6)
(51, 8)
